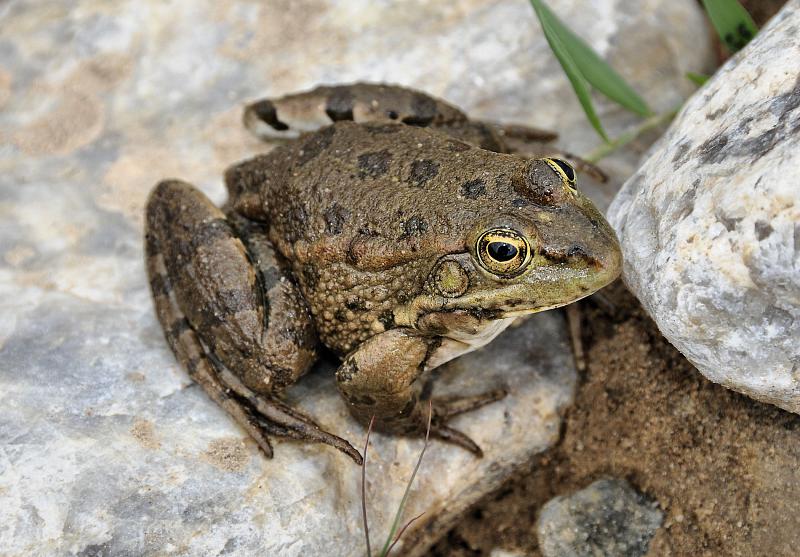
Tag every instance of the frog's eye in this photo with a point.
(565, 170)
(503, 252)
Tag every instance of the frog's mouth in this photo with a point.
(517, 300)
(522, 312)
(516, 312)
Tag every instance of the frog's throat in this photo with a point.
(454, 345)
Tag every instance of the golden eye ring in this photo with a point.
(503, 252)
(565, 170)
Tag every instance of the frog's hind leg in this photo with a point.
(289, 116)
(231, 318)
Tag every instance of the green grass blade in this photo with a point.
(364, 487)
(579, 83)
(589, 64)
(733, 24)
(697, 78)
(389, 543)
(603, 77)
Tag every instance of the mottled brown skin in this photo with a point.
(365, 235)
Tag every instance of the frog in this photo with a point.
(386, 228)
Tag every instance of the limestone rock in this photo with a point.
(710, 224)
(606, 518)
(106, 447)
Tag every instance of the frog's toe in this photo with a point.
(450, 435)
(446, 407)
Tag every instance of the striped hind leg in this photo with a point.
(230, 317)
(289, 116)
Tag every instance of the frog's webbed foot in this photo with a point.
(226, 307)
(384, 378)
(445, 408)
(448, 406)
(275, 417)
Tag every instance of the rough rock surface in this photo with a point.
(710, 224)
(608, 517)
(105, 445)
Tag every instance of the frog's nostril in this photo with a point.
(577, 251)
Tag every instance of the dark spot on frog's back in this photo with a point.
(374, 164)
(315, 145)
(423, 170)
(387, 319)
(340, 105)
(473, 189)
(423, 110)
(335, 218)
(355, 304)
(415, 226)
(266, 112)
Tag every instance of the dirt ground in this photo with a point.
(724, 468)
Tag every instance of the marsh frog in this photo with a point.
(387, 227)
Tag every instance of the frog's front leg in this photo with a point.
(231, 317)
(385, 378)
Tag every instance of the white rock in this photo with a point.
(105, 445)
(710, 224)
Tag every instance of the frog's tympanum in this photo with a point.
(392, 230)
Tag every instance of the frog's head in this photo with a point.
(553, 248)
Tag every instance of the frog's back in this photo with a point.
(382, 194)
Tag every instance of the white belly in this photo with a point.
(455, 345)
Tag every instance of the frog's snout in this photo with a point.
(583, 245)
(605, 262)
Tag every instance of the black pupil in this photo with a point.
(568, 170)
(501, 251)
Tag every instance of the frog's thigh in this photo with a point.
(382, 378)
(227, 299)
